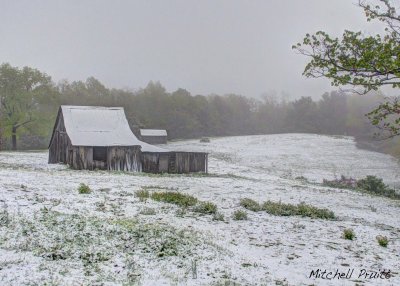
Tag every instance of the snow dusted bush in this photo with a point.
(342, 183)
(302, 209)
(205, 208)
(84, 189)
(374, 185)
(250, 204)
(182, 200)
(349, 234)
(240, 215)
(370, 184)
(382, 240)
(142, 194)
(218, 216)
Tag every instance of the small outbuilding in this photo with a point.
(93, 137)
(154, 136)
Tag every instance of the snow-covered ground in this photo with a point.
(49, 233)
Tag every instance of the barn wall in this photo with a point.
(58, 149)
(119, 158)
(174, 162)
(80, 157)
(191, 162)
(154, 139)
(150, 162)
(124, 159)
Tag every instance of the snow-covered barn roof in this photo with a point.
(101, 126)
(153, 132)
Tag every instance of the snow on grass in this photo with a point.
(50, 233)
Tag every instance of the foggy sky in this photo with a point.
(207, 46)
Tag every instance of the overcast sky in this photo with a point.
(207, 46)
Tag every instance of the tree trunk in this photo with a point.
(14, 138)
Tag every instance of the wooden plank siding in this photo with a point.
(59, 142)
(119, 158)
(123, 158)
(174, 162)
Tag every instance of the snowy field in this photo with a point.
(52, 235)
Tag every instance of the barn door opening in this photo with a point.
(100, 154)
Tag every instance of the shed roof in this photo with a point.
(153, 132)
(101, 126)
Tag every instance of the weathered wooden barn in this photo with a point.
(92, 137)
(154, 136)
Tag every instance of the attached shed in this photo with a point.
(154, 136)
(174, 162)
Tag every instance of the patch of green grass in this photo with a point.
(205, 208)
(240, 215)
(302, 209)
(84, 189)
(349, 234)
(93, 242)
(142, 194)
(182, 200)
(250, 204)
(382, 240)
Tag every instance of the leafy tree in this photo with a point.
(22, 91)
(364, 62)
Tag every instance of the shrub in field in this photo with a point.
(84, 189)
(342, 183)
(176, 198)
(302, 209)
(370, 184)
(382, 240)
(240, 215)
(349, 234)
(142, 194)
(375, 185)
(279, 209)
(218, 216)
(314, 212)
(250, 204)
(205, 208)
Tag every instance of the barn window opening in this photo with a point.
(100, 154)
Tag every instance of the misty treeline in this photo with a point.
(185, 115)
